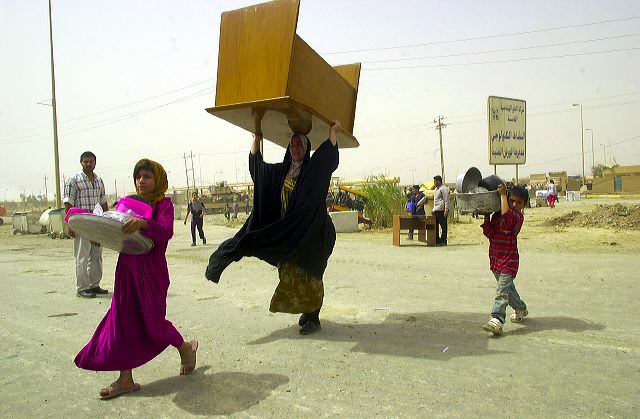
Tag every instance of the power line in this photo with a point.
(559, 111)
(422, 126)
(498, 50)
(553, 104)
(144, 100)
(577, 154)
(485, 36)
(420, 156)
(503, 61)
(109, 121)
(111, 109)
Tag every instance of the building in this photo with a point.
(618, 179)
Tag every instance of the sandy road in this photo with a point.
(421, 354)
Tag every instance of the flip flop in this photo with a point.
(115, 390)
(192, 362)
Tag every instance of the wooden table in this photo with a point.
(425, 225)
(265, 67)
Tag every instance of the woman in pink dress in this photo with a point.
(135, 330)
(552, 193)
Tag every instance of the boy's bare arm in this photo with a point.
(504, 204)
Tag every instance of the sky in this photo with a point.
(133, 79)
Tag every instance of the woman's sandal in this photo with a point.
(188, 366)
(115, 390)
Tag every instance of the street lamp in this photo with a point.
(604, 153)
(56, 158)
(581, 140)
(593, 155)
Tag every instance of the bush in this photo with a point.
(383, 201)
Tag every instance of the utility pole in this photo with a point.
(581, 140)
(439, 127)
(235, 163)
(115, 185)
(46, 191)
(186, 172)
(593, 152)
(193, 173)
(55, 115)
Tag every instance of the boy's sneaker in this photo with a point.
(494, 326)
(518, 315)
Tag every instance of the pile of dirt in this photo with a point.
(616, 216)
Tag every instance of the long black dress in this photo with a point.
(304, 236)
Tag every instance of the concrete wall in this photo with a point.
(345, 221)
(622, 170)
(602, 185)
(630, 184)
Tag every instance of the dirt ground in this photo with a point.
(401, 330)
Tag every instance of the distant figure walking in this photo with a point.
(236, 207)
(196, 209)
(552, 193)
(245, 199)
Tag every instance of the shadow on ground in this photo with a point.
(539, 324)
(437, 335)
(222, 393)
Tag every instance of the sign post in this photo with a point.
(507, 121)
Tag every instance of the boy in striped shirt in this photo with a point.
(502, 231)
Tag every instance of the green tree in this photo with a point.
(599, 169)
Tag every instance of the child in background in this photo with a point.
(502, 231)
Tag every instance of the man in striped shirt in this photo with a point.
(84, 190)
(502, 231)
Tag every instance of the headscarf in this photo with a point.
(294, 169)
(160, 177)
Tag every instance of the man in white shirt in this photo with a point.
(440, 210)
(84, 190)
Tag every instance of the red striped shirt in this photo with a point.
(502, 232)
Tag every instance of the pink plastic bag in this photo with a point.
(134, 208)
(73, 211)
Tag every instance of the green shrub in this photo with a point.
(383, 201)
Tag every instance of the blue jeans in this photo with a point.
(506, 294)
